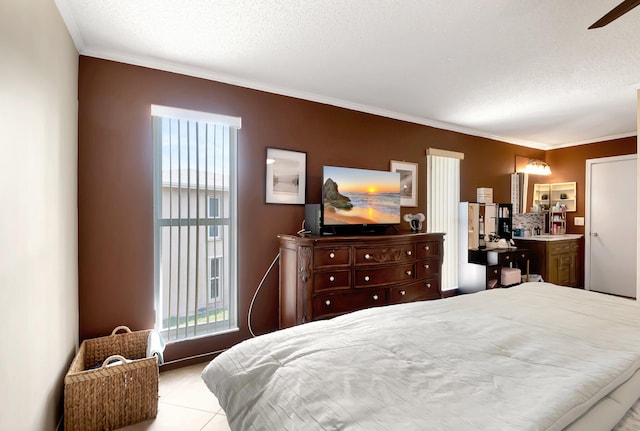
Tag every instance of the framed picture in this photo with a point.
(408, 182)
(286, 177)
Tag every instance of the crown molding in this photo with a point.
(71, 23)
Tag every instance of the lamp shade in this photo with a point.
(537, 167)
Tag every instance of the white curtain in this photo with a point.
(443, 197)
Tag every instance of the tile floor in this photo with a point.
(184, 404)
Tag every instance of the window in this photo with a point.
(214, 279)
(213, 212)
(443, 199)
(195, 193)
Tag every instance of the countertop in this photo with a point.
(547, 237)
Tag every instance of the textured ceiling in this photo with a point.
(526, 72)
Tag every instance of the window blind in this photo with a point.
(443, 197)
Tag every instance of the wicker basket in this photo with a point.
(99, 396)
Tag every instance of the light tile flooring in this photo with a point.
(184, 404)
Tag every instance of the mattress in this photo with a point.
(606, 413)
(533, 357)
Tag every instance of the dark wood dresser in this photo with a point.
(325, 276)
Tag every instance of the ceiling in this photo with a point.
(526, 72)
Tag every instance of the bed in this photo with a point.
(533, 357)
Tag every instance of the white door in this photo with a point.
(610, 225)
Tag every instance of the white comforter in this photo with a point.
(533, 357)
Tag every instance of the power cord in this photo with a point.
(303, 230)
(275, 259)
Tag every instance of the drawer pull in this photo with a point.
(426, 247)
(328, 302)
(507, 257)
(408, 272)
(428, 285)
(495, 271)
(367, 256)
(426, 266)
(402, 293)
(367, 278)
(522, 255)
(375, 297)
(332, 278)
(408, 252)
(332, 255)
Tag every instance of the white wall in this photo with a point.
(38, 212)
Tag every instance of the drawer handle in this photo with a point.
(367, 278)
(408, 252)
(375, 297)
(495, 271)
(507, 257)
(428, 285)
(408, 272)
(367, 256)
(328, 302)
(332, 278)
(522, 255)
(402, 293)
(426, 266)
(332, 255)
(426, 247)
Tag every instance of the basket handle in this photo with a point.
(113, 358)
(120, 327)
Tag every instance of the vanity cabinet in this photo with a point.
(563, 263)
(325, 276)
(558, 261)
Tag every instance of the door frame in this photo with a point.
(587, 211)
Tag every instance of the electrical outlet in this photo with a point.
(578, 221)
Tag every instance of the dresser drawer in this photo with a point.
(428, 267)
(328, 257)
(428, 249)
(332, 280)
(380, 276)
(420, 291)
(493, 276)
(376, 255)
(332, 304)
(513, 257)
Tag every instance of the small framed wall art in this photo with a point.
(408, 182)
(286, 177)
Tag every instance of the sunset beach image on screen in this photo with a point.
(360, 196)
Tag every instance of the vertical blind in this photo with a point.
(443, 197)
(195, 243)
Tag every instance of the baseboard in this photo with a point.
(449, 293)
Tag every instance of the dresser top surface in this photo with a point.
(392, 237)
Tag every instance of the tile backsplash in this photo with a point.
(528, 221)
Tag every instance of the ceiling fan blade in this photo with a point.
(616, 13)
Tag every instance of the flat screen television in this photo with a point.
(359, 200)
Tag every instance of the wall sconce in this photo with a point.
(537, 167)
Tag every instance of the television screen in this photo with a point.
(360, 197)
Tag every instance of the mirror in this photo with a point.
(519, 186)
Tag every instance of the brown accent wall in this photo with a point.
(569, 164)
(115, 186)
